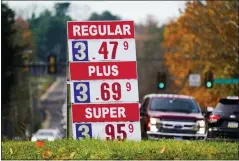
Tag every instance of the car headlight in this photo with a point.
(153, 121)
(201, 123)
(33, 138)
(201, 127)
(51, 139)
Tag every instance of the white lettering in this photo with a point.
(76, 30)
(98, 71)
(113, 112)
(88, 112)
(105, 111)
(107, 70)
(109, 32)
(95, 111)
(93, 30)
(115, 71)
(84, 30)
(121, 112)
(126, 29)
(91, 70)
(118, 30)
(102, 30)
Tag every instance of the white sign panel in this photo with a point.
(101, 50)
(104, 91)
(108, 130)
(194, 80)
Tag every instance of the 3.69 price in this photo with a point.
(105, 91)
(113, 91)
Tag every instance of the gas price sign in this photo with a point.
(104, 91)
(103, 80)
(107, 130)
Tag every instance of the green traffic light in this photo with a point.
(209, 84)
(161, 85)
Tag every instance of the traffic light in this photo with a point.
(208, 79)
(161, 80)
(51, 64)
(26, 60)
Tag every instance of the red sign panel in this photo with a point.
(100, 30)
(105, 112)
(103, 70)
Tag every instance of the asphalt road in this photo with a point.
(54, 102)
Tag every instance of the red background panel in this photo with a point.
(126, 70)
(112, 28)
(131, 112)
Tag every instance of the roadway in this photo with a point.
(52, 102)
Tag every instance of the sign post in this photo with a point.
(103, 80)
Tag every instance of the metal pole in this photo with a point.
(30, 104)
(68, 111)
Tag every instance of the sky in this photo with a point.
(128, 10)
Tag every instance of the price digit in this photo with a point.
(121, 131)
(116, 89)
(115, 43)
(128, 86)
(83, 130)
(106, 92)
(81, 92)
(80, 50)
(131, 128)
(110, 131)
(126, 45)
(104, 49)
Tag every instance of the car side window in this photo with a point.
(144, 105)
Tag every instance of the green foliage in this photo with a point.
(50, 32)
(8, 54)
(128, 150)
(106, 15)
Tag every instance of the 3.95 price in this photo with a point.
(119, 131)
(91, 50)
(108, 130)
(97, 91)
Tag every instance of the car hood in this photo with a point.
(178, 115)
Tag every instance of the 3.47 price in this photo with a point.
(104, 48)
(108, 50)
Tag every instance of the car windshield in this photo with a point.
(228, 106)
(174, 105)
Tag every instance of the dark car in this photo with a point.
(223, 121)
(171, 116)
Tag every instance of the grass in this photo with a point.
(129, 150)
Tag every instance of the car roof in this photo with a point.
(233, 97)
(48, 130)
(168, 96)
